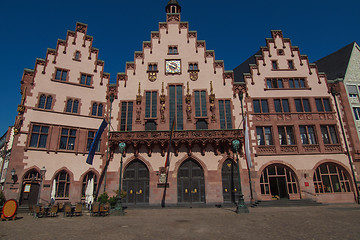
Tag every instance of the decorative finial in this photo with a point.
(162, 88)
(139, 91)
(188, 87)
(211, 88)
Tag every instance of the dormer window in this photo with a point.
(274, 65)
(173, 50)
(152, 67)
(280, 52)
(193, 66)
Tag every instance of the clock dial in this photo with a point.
(173, 66)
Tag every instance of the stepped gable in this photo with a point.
(335, 64)
(277, 47)
(156, 38)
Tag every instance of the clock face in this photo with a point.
(173, 66)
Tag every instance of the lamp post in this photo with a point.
(240, 207)
(118, 211)
(42, 175)
(333, 93)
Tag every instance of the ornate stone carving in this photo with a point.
(162, 104)
(288, 149)
(146, 44)
(193, 75)
(152, 75)
(311, 148)
(212, 103)
(188, 103)
(173, 17)
(155, 35)
(80, 27)
(192, 34)
(138, 96)
(266, 150)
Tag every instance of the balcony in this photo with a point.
(288, 117)
(220, 140)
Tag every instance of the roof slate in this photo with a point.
(244, 67)
(335, 64)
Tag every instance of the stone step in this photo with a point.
(286, 203)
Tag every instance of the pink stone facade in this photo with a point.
(175, 76)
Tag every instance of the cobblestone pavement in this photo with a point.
(314, 222)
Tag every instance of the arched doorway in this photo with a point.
(279, 181)
(136, 183)
(230, 182)
(191, 184)
(30, 187)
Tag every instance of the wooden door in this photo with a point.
(136, 183)
(230, 181)
(191, 184)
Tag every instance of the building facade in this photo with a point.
(342, 69)
(295, 149)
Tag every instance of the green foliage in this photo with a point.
(113, 200)
(103, 198)
(2, 198)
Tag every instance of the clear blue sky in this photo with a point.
(234, 29)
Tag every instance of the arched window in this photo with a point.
(100, 110)
(86, 179)
(48, 102)
(72, 106)
(62, 184)
(94, 109)
(97, 109)
(77, 55)
(42, 101)
(45, 102)
(69, 105)
(331, 177)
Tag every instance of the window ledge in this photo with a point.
(284, 69)
(194, 70)
(306, 88)
(152, 71)
(71, 83)
(173, 54)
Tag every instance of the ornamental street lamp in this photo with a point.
(118, 211)
(240, 207)
(42, 175)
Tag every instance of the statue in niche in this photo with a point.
(162, 112)
(188, 112)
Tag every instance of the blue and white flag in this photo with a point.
(95, 142)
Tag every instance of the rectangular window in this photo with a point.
(329, 135)
(200, 104)
(85, 79)
(152, 67)
(302, 105)
(39, 136)
(176, 106)
(61, 74)
(291, 64)
(274, 64)
(297, 83)
(193, 66)
(126, 116)
(67, 140)
(281, 105)
(323, 104)
(286, 135)
(90, 139)
(352, 91)
(264, 136)
(225, 114)
(275, 83)
(173, 50)
(261, 106)
(150, 104)
(307, 135)
(357, 113)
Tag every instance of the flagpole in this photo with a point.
(108, 136)
(241, 97)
